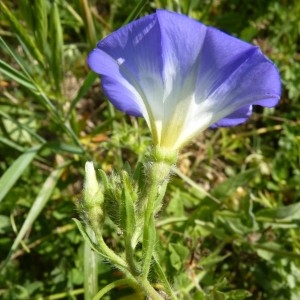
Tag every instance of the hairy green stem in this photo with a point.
(158, 173)
(150, 291)
(149, 231)
(129, 252)
(113, 285)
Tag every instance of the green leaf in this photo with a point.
(161, 274)
(89, 22)
(41, 23)
(201, 191)
(136, 11)
(178, 255)
(233, 182)
(38, 204)
(86, 85)
(4, 223)
(120, 282)
(15, 75)
(238, 295)
(11, 144)
(14, 172)
(59, 146)
(86, 237)
(287, 213)
(56, 45)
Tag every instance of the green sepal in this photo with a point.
(112, 197)
(127, 168)
(93, 199)
(138, 172)
(127, 210)
(104, 179)
(139, 176)
(164, 155)
(161, 194)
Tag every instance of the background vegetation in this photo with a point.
(230, 225)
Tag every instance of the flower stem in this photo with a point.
(157, 174)
(90, 269)
(113, 285)
(129, 252)
(150, 291)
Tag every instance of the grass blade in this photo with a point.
(13, 173)
(88, 82)
(36, 208)
(89, 23)
(21, 32)
(16, 76)
(41, 23)
(136, 12)
(38, 205)
(56, 45)
(11, 144)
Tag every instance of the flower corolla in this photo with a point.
(183, 76)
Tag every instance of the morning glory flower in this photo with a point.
(183, 76)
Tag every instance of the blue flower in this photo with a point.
(183, 76)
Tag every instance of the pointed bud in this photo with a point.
(93, 197)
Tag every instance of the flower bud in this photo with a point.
(93, 198)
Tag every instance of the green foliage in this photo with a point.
(230, 223)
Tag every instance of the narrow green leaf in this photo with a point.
(86, 237)
(286, 213)
(18, 60)
(15, 75)
(136, 11)
(56, 45)
(276, 249)
(41, 23)
(21, 32)
(43, 98)
(115, 284)
(89, 22)
(162, 276)
(23, 127)
(59, 146)
(193, 184)
(14, 172)
(86, 85)
(11, 144)
(38, 205)
(32, 85)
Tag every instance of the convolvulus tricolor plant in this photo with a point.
(182, 77)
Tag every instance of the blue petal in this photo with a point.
(115, 87)
(239, 116)
(135, 61)
(235, 74)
